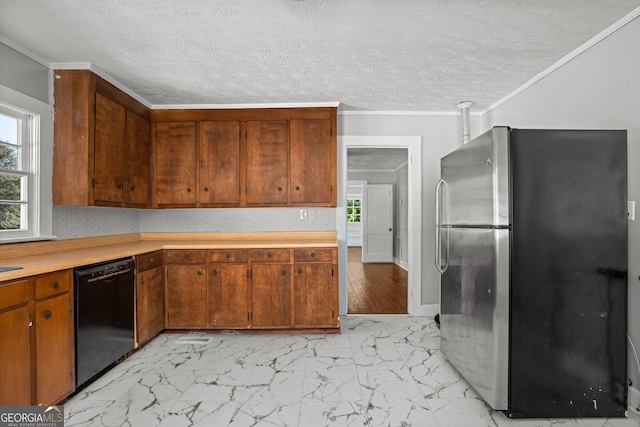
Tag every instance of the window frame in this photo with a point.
(37, 145)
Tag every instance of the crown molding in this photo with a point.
(243, 106)
(13, 45)
(398, 113)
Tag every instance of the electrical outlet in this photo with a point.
(303, 214)
(631, 210)
(312, 214)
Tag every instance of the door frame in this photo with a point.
(413, 144)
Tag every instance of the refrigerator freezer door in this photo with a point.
(477, 182)
(474, 310)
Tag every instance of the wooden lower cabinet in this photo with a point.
(36, 332)
(54, 349)
(15, 350)
(186, 296)
(228, 296)
(270, 295)
(274, 288)
(149, 296)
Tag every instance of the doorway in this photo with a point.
(401, 282)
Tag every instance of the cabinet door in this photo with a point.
(312, 160)
(54, 349)
(228, 295)
(110, 138)
(186, 296)
(137, 167)
(315, 295)
(270, 295)
(219, 162)
(150, 303)
(267, 162)
(15, 354)
(175, 170)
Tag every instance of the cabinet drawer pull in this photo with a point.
(283, 272)
(214, 272)
(47, 314)
(142, 281)
(313, 254)
(185, 256)
(228, 256)
(55, 285)
(269, 255)
(152, 260)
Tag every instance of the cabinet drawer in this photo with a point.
(221, 255)
(149, 261)
(186, 256)
(51, 284)
(313, 255)
(269, 255)
(13, 294)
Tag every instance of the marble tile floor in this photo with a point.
(380, 371)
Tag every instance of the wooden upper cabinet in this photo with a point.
(138, 161)
(267, 162)
(312, 162)
(95, 125)
(219, 163)
(110, 145)
(175, 166)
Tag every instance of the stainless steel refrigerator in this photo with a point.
(531, 243)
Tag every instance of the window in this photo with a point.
(19, 179)
(354, 210)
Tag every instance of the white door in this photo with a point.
(377, 245)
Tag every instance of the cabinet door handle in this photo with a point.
(297, 187)
(299, 271)
(279, 188)
(55, 285)
(119, 185)
(199, 273)
(214, 272)
(283, 272)
(47, 314)
(132, 188)
(206, 188)
(188, 190)
(142, 281)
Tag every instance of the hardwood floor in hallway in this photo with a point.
(375, 288)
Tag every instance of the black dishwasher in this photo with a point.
(104, 316)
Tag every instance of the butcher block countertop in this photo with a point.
(44, 257)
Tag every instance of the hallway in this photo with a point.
(375, 288)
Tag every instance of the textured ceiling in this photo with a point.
(402, 55)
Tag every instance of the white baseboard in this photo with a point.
(633, 400)
(402, 264)
(426, 310)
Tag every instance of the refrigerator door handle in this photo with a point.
(438, 252)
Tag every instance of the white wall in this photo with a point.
(598, 89)
(440, 135)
